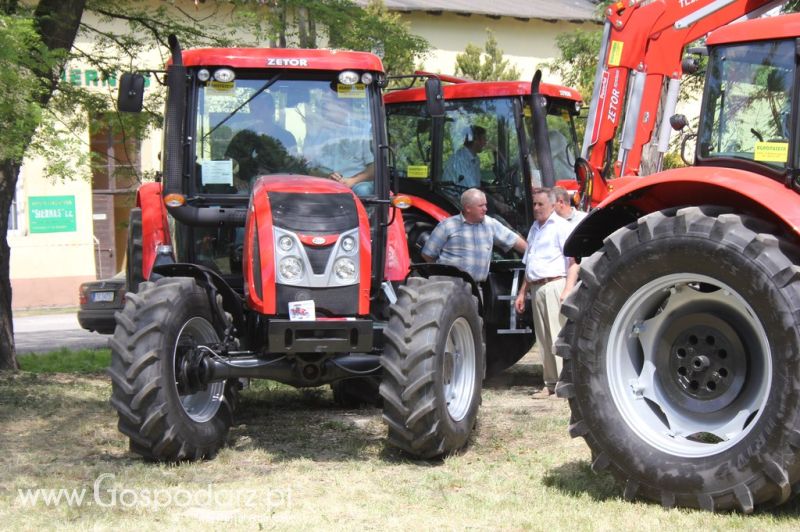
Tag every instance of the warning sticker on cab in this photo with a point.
(615, 53)
(418, 172)
(351, 91)
(772, 152)
(221, 86)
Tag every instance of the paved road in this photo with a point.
(51, 332)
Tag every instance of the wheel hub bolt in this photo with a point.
(701, 363)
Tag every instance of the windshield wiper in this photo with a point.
(267, 85)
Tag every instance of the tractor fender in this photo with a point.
(634, 197)
(397, 258)
(155, 229)
(213, 284)
(429, 208)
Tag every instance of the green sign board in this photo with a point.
(52, 214)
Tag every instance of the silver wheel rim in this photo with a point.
(201, 406)
(689, 365)
(459, 369)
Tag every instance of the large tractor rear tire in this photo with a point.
(681, 360)
(505, 350)
(356, 392)
(433, 366)
(134, 260)
(155, 330)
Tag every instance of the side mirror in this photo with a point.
(434, 97)
(131, 93)
(678, 122)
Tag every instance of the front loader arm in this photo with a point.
(641, 54)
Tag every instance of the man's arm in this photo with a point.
(433, 246)
(572, 278)
(519, 303)
(368, 174)
(520, 245)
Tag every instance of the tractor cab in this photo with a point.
(484, 140)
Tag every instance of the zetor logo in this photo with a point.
(277, 61)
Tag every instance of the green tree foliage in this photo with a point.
(487, 64)
(43, 115)
(578, 61)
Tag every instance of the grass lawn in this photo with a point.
(296, 461)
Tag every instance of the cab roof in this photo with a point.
(483, 89)
(759, 29)
(283, 58)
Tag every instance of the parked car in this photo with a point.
(99, 300)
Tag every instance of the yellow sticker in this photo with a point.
(527, 111)
(220, 86)
(772, 152)
(417, 171)
(351, 91)
(615, 53)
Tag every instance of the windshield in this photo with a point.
(747, 104)
(563, 140)
(248, 128)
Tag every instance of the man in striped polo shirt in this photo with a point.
(466, 240)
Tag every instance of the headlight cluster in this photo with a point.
(345, 269)
(293, 266)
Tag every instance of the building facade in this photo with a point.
(66, 232)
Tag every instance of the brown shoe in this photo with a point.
(544, 393)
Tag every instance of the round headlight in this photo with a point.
(203, 74)
(291, 268)
(366, 78)
(224, 75)
(285, 243)
(345, 270)
(577, 107)
(348, 77)
(348, 244)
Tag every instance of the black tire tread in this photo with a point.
(139, 394)
(409, 411)
(708, 222)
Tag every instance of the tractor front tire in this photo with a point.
(681, 360)
(156, 328)
(433, 366)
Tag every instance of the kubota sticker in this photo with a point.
(419, 172)
(772, 152)
(615, 53)
(351, 91)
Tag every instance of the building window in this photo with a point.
(115, 155)
(12, 215)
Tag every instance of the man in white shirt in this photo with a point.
(549, 276)
(564, 207)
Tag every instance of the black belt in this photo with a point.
(545, 280)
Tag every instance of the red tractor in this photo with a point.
(274, 248)
(682, 345)
(502, 112)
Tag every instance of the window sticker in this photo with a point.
(419, 171)
(615, 54)
(772, 152)
(217, 172)
(220, 86)
(351, 91)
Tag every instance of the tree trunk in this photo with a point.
(57, 23)
(8, 184)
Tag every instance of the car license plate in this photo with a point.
(102, 297)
